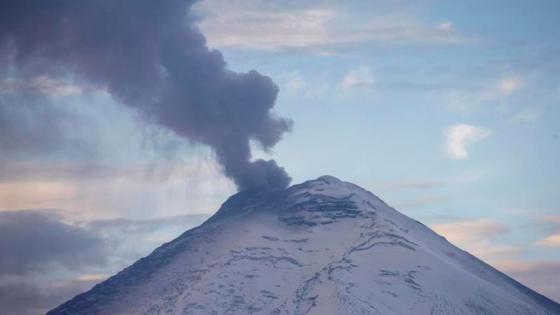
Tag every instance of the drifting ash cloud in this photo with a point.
(150, 56)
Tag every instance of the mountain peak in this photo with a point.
(329, 179)
(321, 247)
(325, 181)
(318, 201)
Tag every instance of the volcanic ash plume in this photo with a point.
(149, 55)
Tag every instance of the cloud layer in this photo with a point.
(32, 240)
(45, 259)
(36, 248)
(293, 26)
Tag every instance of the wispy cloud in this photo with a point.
(412, 184)
(273, 26)
(494, 253)
(495, 94)
(292, 82)
(459, 137)
(426, 183)
(535, 274)
(477, 236)
(95, 277)
(506, 86)
(445, 26)
(420, 202)
(42, 84)
(552, 240)
(464, 232)
(360, 78)
(316, 86)
(526, 116)
(195, 185)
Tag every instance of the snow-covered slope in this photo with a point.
(321, 247)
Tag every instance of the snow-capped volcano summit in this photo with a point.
(320, 247)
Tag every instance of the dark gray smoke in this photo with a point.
(150, 55)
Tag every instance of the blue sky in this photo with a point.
(448, 111)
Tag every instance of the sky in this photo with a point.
(447, 111)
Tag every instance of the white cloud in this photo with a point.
(495, 93)
(459, 137)
(508, 86)
(360, 78)
(317, 86)
(527, 116)
(263, 25)
(292, 82)
(445, 26)
(550, 241)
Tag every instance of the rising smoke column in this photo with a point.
(149, 55)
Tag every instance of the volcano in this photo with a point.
(321, 247)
